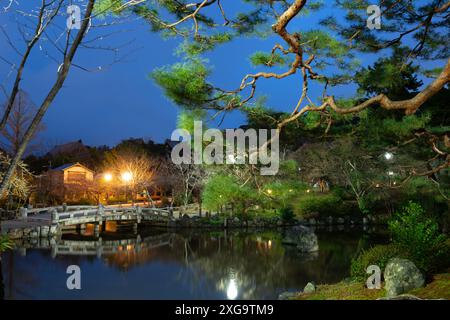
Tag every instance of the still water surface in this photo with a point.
(178, 265)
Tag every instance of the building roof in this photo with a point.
(66, 166)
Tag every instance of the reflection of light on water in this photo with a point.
(232, 287)
(232, 290)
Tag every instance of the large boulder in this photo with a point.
(401, 276)
(302, 237)
(309, 288)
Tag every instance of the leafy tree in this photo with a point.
(390, 76)
(420, 237)
(309, 50)
(220, 191)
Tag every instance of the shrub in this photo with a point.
(420, 237)
(286, 213)
(279, 194)
(378, 255)
(323, 204)
(222, 190)
(5, 243)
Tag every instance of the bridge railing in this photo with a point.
(64, 212)
(102, 211)
(75, 214)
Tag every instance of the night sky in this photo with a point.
(122, 102)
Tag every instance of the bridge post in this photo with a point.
(138, 218)
(101, 210)
(54, 227)
(54, 216)
(100, 213)
(138, 214)
(23, 212)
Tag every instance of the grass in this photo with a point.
(343, 291)
(438, 288)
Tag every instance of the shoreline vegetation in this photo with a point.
(437, 288)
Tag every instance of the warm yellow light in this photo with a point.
(308, 191)
(269, 191)
(108, 177)
(127, 176)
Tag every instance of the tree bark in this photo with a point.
(62, 75)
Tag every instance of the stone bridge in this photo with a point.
(49, 222)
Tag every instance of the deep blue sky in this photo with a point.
(121, 102)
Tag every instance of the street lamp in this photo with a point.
(388, 155)
(390, 174)
(127, 176)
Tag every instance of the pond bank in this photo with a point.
(32, 228)
(438, 288)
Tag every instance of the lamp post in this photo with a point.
(127, 176)
(390, 175)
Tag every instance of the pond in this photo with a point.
(156, 264)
